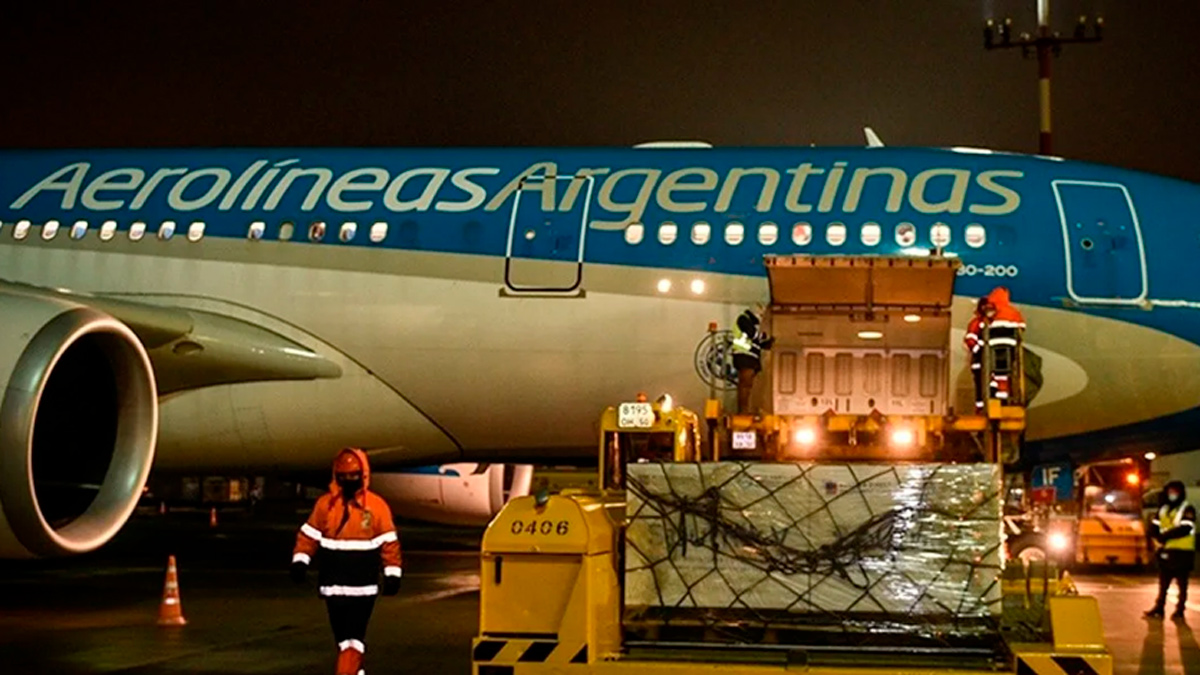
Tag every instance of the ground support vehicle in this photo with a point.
(850, 531)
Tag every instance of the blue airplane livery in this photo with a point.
(475, 309)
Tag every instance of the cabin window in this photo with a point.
(378, 232)
(137, 230)
(835, 234)
(939, 234)
(906, 234)
(768, 234)
(257, 229)
(195, 231)
(802, 234)
(735, 234)
(976, 235)
(79, 230)
(700, 233)
(108, 230)
(49, 230)
(166, 230)
(21, 229)
(347, 232)
(871, 234)
(634, 233)
(316, 231)
(286, 231)
(668, 232)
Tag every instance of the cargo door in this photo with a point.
(857, 334)
(1106, 257)
(546, 235)
(856, 282)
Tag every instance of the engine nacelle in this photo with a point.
(453, 494)
(78, 426)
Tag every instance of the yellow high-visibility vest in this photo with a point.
(742, 344)
(1169, 519)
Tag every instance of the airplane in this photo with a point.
(256, 309)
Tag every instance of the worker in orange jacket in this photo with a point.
(1004, 322)
(351, 534)
(973, 341)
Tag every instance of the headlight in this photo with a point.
(903, 438)
(1058, 541)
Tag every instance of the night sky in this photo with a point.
(437, 72)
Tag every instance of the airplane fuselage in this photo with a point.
(487, 304)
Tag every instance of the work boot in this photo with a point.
(1177, 615)
(1155, 613)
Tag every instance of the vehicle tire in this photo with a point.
(1027, 549)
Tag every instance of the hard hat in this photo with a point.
(347, 462)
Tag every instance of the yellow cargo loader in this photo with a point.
(855, 535)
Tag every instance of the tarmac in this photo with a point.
(96, 613)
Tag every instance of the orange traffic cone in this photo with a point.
(170, 612)
(212, 517)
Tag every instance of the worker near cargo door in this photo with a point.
(351, 535)
(973, 341)
(1174, 528)
(1005, 324)
(748, 342)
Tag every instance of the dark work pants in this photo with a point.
(1173, 566)
(747, 368)
(977, 375)
(349, 617)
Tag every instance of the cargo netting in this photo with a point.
(742, 549)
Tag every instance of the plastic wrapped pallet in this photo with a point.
(920, 541)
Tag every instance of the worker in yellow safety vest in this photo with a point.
(1174, 528)
(748, 342)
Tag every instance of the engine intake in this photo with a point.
(78, 427)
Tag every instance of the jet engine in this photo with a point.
(78, 426)
(453, 494)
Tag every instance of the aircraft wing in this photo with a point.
(188, 348)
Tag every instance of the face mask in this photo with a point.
(1173, 496)
(350, 486)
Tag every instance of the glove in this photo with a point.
(297, 571)
(391, 585)
(1161, 538)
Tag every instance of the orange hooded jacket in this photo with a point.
(350, 538)
(1007, 316)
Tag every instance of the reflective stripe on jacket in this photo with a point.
(350, 539)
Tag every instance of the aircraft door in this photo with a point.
(1105, 254)
(547, 233)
